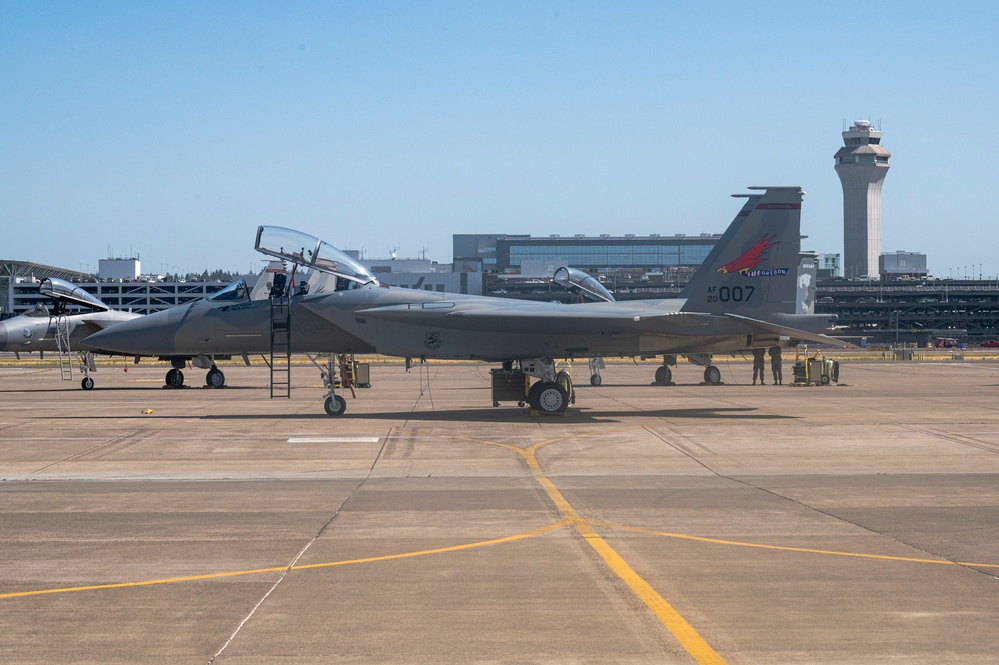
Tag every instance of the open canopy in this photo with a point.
(310, 252)
(577, 280)
(63, 291)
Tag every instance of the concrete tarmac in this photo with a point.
(856, 523)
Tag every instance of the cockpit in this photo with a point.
(310, 252)
(39, 310)
(235, 292)
(578, 281)
(63, 291)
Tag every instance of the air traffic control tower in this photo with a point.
(861, 165)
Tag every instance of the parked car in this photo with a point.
(990, 344)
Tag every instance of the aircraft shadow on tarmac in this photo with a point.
(574, 416)
(100, 389)
(491, 415)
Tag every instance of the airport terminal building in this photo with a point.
(502, 253)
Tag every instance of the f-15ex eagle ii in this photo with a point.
(743, 297)
(59, 330)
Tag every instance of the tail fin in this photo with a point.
(753, 269)
(807, 274)
(701, 275)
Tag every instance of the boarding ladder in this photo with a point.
(280, 345)
(62, 346)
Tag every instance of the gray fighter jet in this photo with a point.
(57, 330)
(743, 297)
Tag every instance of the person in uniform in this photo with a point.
(759, 365)
(775, 365)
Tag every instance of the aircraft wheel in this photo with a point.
(532, 394)
(663, 375)
(87, 383)
(551, 398)
(175, 378)
(335, 405)
(215, 378)
(712, 375)
(595, 380)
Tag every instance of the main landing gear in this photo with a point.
(712, 375)
(175, 378)
(553, 392)
(215, 378)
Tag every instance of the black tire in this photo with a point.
(824, 380)
(712, 375)
(87, 383)
(335, 405)
(551, 398)
(215, 378)
(532, 394)
(663, 375)
(175, 378)
(595, 380)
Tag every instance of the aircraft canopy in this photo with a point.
(64, 291)
(310, 252)
(577, 280)
(235, 292)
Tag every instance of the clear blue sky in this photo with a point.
(172, 130)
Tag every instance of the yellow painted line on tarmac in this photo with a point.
(490, 443)
(439, 550)
(275, 569)
(526, 451)
(785, 548)
(689, 638)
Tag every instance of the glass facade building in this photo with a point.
(505, 253)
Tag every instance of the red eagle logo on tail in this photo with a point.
(752, 257)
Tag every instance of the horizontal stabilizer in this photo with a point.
(792, 333)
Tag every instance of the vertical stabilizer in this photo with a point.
(753, 269)
(701, 275)
(807, 278)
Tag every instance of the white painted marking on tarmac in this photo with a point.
(334, 439)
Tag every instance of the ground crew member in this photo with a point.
(759, 365)
(775, 365)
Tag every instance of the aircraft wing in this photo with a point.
(793, 333)
(595, 318)
(540, 318)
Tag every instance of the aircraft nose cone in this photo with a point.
(145, 336)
